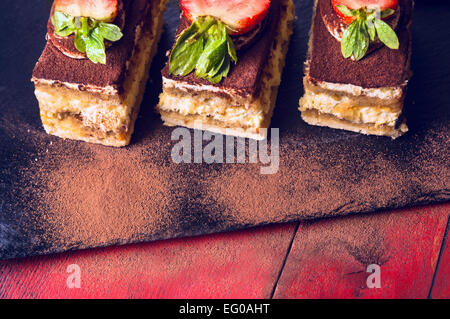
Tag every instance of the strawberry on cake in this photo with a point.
(225, 67)
(358, 66)
(91, 77)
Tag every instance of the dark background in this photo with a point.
(420, 159)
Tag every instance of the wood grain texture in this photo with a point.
(441, 286)
(329, 258)
(235, 265)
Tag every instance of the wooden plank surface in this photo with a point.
(235, 265)
(329, 258)
(441, 285)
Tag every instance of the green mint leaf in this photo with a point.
(185, 54)
(62, 21)
(211, 60)
(216, 48)
(85, 27)
(348, 39)
(204, 24)
(216, 69)
(356, 38)
(361, 41)
(65, 32)
(185, 59)
(223, 72)
(221, 51)
(355, 41)
(346, 11)
(231, 49)
(204, 47)
(95, 47)
(386, 34)
(371, 30)
(224, 56)
(80, 42)
(387, 13)
(110, 31)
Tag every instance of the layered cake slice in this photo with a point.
(358, 66)
(224, 70)
(91, 77)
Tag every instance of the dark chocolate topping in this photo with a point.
(382, 68)
(55, 66)
(245, 76)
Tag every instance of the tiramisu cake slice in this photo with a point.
(91, 77)
(224, 70)
(358, 66)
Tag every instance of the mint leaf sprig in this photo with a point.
(204, 47)
(90, 34)
(365, 28)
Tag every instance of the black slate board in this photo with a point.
(338, 172)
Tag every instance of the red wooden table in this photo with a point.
(321, 259)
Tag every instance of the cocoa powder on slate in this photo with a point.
(83, 195)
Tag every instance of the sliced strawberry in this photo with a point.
(241, 16)
(360, 4)
(103, 10)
